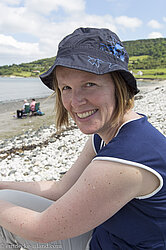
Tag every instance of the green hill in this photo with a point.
(147, 56)
(31, 69)
(147, 60)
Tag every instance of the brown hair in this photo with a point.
(124, 95)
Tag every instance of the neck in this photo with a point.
(110, 133)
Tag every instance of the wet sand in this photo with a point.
(11, 126)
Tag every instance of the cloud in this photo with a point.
(164, 19)
(52, 34)
(13, 51)
(45, 7)
(154, 24)
(11, 2)
(105, 21)
(33, 17)
(9, 45)
(128, 22)
(155, 35)
(16, 20)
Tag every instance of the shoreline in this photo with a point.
(21, 99)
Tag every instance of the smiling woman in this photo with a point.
(123, 96)
(113, 196)
(89, 98)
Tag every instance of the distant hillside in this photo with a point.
(147, 54)
(147, 60)
(31, 69)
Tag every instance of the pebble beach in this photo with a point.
(32, 150)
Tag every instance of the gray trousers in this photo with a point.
(36, 203)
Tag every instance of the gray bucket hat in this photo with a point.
(98, 51)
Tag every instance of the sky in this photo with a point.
(31, 29)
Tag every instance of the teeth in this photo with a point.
(86, 114)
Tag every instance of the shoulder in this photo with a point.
(139, 145)
(133, 138)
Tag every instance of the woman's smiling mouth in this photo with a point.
(86, 114)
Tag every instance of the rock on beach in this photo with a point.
(43, 154)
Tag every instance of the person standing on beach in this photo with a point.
(114, 195)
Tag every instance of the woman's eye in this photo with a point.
(89, 84)
(65, 88)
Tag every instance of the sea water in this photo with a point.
(12, 89)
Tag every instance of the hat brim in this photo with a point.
(95, 66)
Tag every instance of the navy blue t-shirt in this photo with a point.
(140, 224)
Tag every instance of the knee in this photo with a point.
(7, 195)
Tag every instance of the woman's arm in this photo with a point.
(102, 190)
(54, 189)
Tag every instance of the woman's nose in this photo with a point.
(77, 98)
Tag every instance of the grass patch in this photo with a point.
(137, 58)
(159, 73)
(25, 74)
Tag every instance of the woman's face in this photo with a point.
(89, 98)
